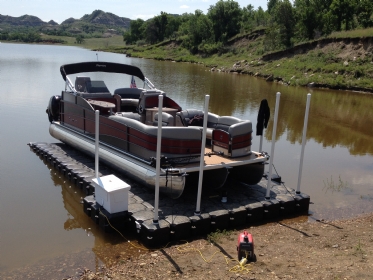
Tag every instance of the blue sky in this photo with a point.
(59, 10)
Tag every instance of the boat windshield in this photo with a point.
(103, 77)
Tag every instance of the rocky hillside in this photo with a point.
(101, 18)
(108, 19)
(22, 21)
(98, 21)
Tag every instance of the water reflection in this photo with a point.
(337, 118)
(107, 247)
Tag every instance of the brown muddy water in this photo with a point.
(44, 232)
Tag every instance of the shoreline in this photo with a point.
(285, 249)
(242, 67)
(267, 77)
(323, 250)
(329, 63)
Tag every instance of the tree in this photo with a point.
(32, 37)
(364, 13)
(323, 16)
(200, 31)
(135, 32)
(225, 17)
(261, 17)
(151, 32)
(271, 4)
(248, 18)
(184, 23)
(160, 23)
(4, 36)
(344, 11)
(173, 24)
(272, 40)
(283, 16)
(306, 18)
(79, 39)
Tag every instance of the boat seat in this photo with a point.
(96, 87)
(91, 89)
(232, 137)
(183, 118)
(177, 141)
(129, 102)
(149, 99)
(130, 115)
(81, 83)
(167, 119)
(131, 93)
(225, 122)
(126, 104)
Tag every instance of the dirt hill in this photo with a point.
(344, 48)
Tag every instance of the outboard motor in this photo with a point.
(53, 109)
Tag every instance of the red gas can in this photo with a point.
(245, 246)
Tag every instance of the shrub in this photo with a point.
(140, 43)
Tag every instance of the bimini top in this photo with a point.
(98, 66)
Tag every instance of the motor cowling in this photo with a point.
(53, 109)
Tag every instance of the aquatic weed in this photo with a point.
(335, 186)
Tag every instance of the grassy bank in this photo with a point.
(344, 61)
(90, 43)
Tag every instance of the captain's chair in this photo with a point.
(81, 83)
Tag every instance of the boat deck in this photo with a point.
(246, 204)
(216, 159)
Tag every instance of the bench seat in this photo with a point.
(176, 141)
(229, 135)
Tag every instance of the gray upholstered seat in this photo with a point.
(145, 97)
(240, 128)
(232, 136)
(168, 132)
(130, 115)
(225, 122)
(183, 118)
(167, 119)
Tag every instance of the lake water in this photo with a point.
(41, 218)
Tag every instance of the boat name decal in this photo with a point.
(100, 65)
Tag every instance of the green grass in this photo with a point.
(357, 33)
(92, 43)
(359, 250)
(217, 235)
(321, 68)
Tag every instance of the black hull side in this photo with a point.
(211, 178)
(250, 174)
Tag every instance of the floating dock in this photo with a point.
(244, 206)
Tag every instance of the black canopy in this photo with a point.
(98, 66)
